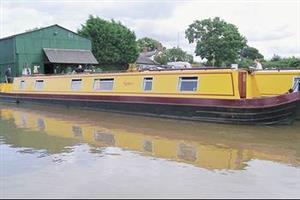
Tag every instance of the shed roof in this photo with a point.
(12, 36)
(70, 56)
(148, 53)
(145, 60)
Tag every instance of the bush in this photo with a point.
(282, 63)
(245, 63)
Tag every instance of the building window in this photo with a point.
(22, 85)
(188, 84)
(104, 84)
(39, 84)
(296, 85)
(147, 85)
(76, 84)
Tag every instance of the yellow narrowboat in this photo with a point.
(213, 95)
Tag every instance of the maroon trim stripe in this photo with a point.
(240, 103)
(242, 84)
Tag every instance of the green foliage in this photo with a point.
(245, 63)
(173, 55)
(291, 62)
(148, 44)
(276, 58)
(161, 58)
(294, 62)
(112, 42)
(278, 62)
(177, 54)
(251, 53)
(217, 41)
(189, 58)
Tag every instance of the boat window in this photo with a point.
(39, 84)
(148, 83)
(296, 86)
(104, 84)
(76, 84)
(188, 83)
(22, 85)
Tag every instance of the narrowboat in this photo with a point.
(211, 95)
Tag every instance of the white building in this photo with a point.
(179, 65)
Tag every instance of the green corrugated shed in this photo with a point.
(26, 49)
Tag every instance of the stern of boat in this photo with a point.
(6, 87)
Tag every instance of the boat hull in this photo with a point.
(298, 111)
(282, 109)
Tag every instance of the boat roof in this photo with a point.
(145, 72)
(189, 71)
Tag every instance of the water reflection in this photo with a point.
(210, 146)
(77, 131)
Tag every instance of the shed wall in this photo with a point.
(7, 56)
(29, 46)
(26, 49)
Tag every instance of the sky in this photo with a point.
(271, 26)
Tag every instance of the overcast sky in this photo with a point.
(271, 26)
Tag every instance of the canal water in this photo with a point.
(58, 152)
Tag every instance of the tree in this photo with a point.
(216, 40)
(276, 58)
(278, 62)
(189, 58)
(148, 44)
(248, 55)
(294, 62)
(176, 54)
(173, 55)
(245, 62)
(161, 58)
(112, 42)
(251, 53)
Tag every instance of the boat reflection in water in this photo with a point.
(204, 145)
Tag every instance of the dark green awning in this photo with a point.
(70, 56)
